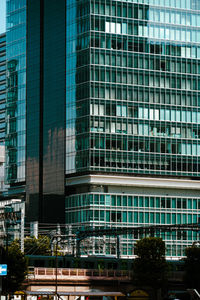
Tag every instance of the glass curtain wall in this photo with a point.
(16, 90)
(2, 87)
(131, 210)
(143, 113)
(77, 85)
(144, 105)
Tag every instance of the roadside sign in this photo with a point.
(3, 270)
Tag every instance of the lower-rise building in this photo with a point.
(124, 201)
(12, 217)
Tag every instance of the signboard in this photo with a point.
(3, 270)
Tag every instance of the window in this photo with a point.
(118, 28)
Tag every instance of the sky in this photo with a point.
(2, 16)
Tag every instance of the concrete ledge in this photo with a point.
(134, 181)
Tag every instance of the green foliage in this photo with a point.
(192, 267)
(150, 248)
(40, 246)
(150, 266)
(17, 269)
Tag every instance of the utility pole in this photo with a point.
(0, 286)
(22, 226)
(1, 254)
(6, 229)
(57, 268)
(56, 279)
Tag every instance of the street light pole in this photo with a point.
(0, 286)
(6, 230)
(56, 268)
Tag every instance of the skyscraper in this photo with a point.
(105, 114)
(2, 107)
(2, 86)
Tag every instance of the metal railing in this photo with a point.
(64, 274)
(85, 274)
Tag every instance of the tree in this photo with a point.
(17, 269)
(40, 246)
(192, 267)
(150, 266)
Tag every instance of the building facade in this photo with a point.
(16, 91)
(2, 108)
(2, 86)
(110, 99)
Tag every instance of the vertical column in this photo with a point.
(45, 145)
(33, 114)
(54, 98)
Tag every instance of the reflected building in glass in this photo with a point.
(16, 92)
(106, 114)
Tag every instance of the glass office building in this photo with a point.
(133, 112)
(112, 115)
(2, 86)
(2, 109)
(136, 82)
(16, 91)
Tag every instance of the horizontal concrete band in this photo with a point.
(134, 181)
(79, 293)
